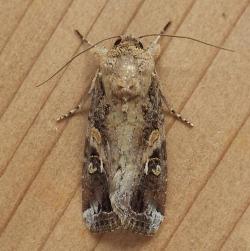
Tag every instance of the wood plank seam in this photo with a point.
(207, 67)
(32, 180)
(73, 194)
(134, 14)
(164, 48)
(17, 145)
(19, 201)
(201, 77)
(58, 218)
(69, 199)
(26, 190)
(234, 226)
(229, 31)
(36, 58)
(44, 46)
(15, 28)
(185, 102)
(210, 174)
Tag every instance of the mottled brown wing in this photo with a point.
(148, 204)
(97, 210)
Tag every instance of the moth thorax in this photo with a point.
(127, 82)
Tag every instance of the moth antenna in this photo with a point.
(165, 27)
(74, 57)
(185, 37)
(162, 32)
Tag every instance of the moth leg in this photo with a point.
(71, 113)
(176, 114)
(93, 82)
(179, 117)
(80, 107)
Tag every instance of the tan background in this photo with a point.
(208, 194)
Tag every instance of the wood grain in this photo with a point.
(40, 161)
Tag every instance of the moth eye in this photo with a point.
(118, 41)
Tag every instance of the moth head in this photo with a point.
(125, 41)
(127, 69)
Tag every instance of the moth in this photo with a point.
(125, 161)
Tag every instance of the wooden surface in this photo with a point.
(208, 194)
